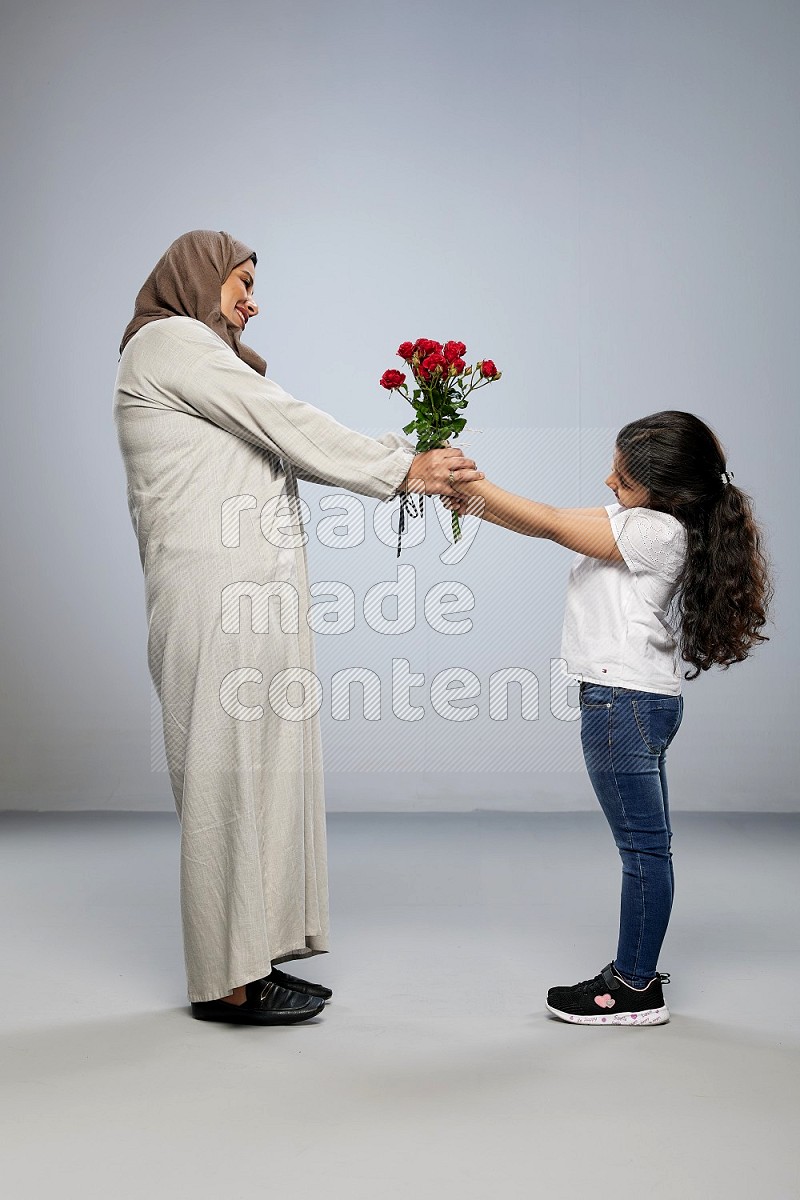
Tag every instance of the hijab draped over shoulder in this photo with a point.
(186, 282)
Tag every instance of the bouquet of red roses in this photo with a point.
(443, 382)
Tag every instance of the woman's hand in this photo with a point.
(440, 472)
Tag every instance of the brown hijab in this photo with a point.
(186, 282)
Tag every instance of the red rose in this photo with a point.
(457, 366)
(489, 370)
(392, 379)
(430, 364)
(424, 346)
(405, 350)
(454, 350)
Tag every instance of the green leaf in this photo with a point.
(410, 427)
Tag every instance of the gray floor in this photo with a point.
(436, 1071)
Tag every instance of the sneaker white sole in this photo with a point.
(648, 1016)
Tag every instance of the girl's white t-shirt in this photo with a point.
(616, 626)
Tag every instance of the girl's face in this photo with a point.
(236, 298)
(628, 493)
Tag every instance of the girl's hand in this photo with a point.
(585, 530)
(464, 506)
(456, 504)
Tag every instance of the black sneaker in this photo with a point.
(608, 1000)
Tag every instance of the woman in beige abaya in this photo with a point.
(212, 451)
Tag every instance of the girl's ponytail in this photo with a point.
(724, 590)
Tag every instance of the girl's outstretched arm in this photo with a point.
(585, 530)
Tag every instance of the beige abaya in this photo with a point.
(212, 449)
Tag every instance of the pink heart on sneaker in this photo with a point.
(634, 1016)
(605, 1001)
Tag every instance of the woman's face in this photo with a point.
(236, 298)
(629, 493)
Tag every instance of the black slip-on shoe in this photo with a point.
(609, 1000)
(266, 1004)
(298, 985)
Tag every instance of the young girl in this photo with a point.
(673, 571)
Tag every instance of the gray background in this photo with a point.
(603, 197)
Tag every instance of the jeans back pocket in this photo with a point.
(658, 720)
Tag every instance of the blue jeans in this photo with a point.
(625, 735)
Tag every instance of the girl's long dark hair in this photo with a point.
(724, 590)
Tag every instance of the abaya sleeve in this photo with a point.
(194, 371)
(392, 441)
